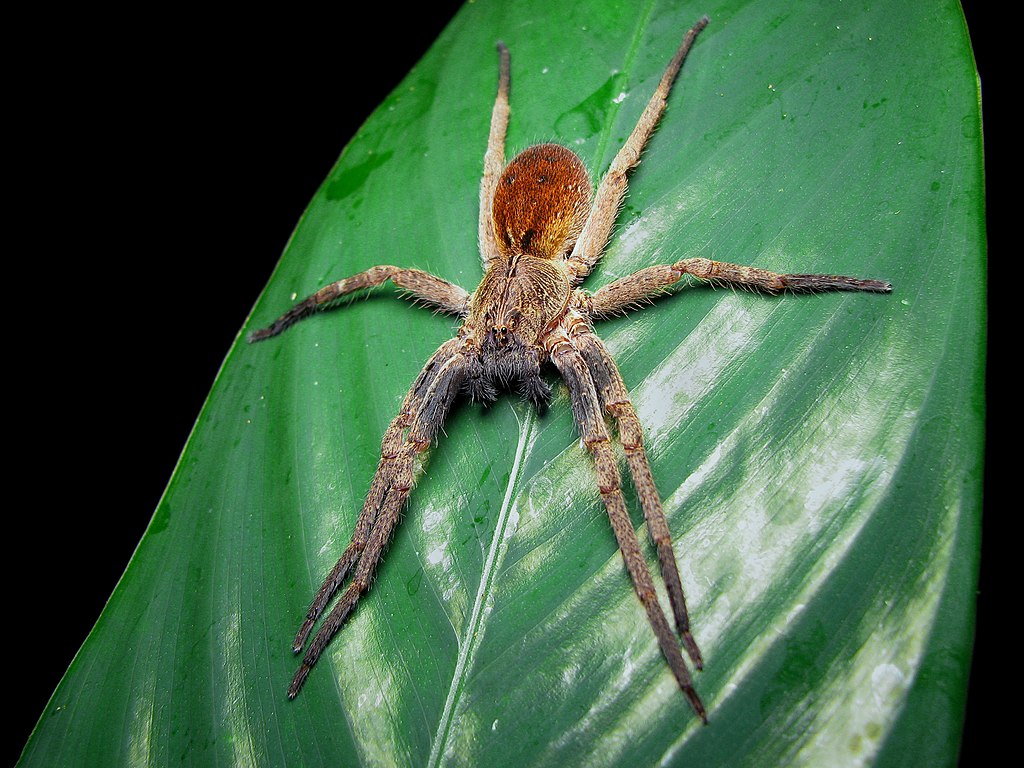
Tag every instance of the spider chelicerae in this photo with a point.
(540, 236)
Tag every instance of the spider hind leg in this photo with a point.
(586, 408)
(614, 399)
(410, 434)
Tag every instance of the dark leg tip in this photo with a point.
(692, 650)
(698, 705)
(303, 634)
(815, 283)
(298, 681)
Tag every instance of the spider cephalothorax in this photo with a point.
(540, 236)
(540, 207)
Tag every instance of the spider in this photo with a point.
(540, 236)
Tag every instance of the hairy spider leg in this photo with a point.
(421, 415)
(494, 160)
(626, 293)
(421, 285)
(598, 229)
(614, 399)
(590, 422)
(410, 434)
(383, 479)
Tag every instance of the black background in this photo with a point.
(152, 140)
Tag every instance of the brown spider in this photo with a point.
(540, 236)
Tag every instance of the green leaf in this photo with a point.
(819, 457)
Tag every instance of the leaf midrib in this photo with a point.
(473, 631)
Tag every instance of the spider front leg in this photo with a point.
(590, 422)
(410, 434)
(614, 397)
(608, 200)
(626, 293)
(439, 293)
(494, 160)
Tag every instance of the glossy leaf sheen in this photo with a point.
(819, 456)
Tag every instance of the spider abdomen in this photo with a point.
(541, 202)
